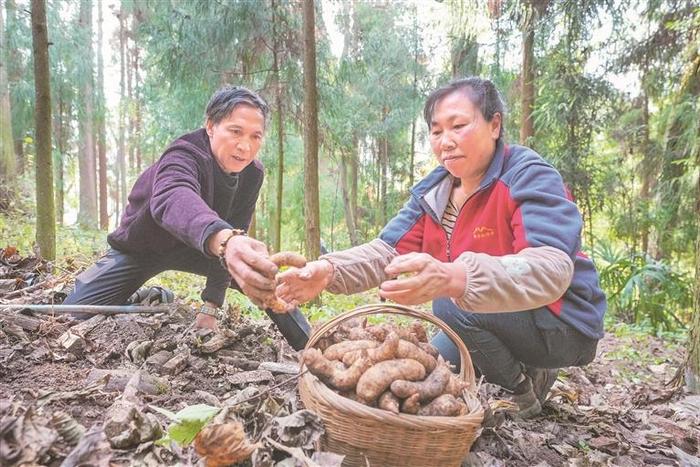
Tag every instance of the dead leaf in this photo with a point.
(300, 429)
(23, 437)
(685, 459)
(93, 449)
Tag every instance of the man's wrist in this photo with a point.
(215, 240)
(224, 240)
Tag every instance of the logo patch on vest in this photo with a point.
(483, 232)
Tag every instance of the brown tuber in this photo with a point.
(446, 405)
(409, 350)
(385, 351)
(388, 401)
(411, 405)
(379, 377)
(338, 351)
(334, 372)
(281, 259)
(430, 388)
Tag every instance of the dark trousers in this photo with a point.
(117, 275)
(501, 345)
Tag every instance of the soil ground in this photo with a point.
(83, 393)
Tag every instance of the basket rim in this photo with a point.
(466, 366)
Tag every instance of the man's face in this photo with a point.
(236, 140)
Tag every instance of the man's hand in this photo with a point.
(431, 279)
(301, 285)
(247, 262)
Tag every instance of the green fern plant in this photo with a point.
(642, 289)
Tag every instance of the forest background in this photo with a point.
(609, 92)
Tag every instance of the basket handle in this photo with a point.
(466, 368)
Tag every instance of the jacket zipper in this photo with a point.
(459, 213)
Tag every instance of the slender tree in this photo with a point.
(8, 165)
(279, 118)
(534, 9)
(100, 127)
(311, 202)
(87, 214)
(45, 216)
(121, 151)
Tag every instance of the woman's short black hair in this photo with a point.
(481, 92)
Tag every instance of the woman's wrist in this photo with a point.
(328, 270)
(457, 280)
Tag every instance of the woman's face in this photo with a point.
(461, 138)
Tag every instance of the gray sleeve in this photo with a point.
(359, 268)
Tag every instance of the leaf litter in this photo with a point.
(132, 389)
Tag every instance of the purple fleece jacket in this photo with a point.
(171, 203)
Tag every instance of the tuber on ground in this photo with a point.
(379, 377)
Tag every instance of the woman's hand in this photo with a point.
(430, 279)
(302, 285)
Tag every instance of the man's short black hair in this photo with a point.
(227, 98)
(481, 92)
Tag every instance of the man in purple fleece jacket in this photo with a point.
(189, 212)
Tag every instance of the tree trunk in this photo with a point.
(14, 73)
(354, 175)
(277, 222)
(8, 162)
(129, 95)
(101, 130)
(647, 170)
(692, 373)
(137, 109)
(121, 153)
(345, 187)
(45, 215)
(527, 77)
(383, 173)
(311, 202)
(61, 124)
(252, 228)
(87, 215)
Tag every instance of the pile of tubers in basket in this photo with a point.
(387, 366)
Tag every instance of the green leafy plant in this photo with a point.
(640, 288)
(187, 423)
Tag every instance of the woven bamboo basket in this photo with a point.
(368, 436)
